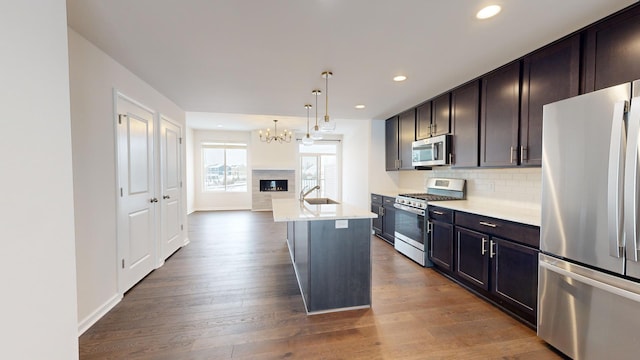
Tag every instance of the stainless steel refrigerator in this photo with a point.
(589, 274)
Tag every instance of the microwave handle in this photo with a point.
(435, 152)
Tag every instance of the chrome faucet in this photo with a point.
(304, 194)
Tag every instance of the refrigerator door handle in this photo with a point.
(616, 178)
(631, 182)
(592, 281)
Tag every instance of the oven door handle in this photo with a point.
(409, 209)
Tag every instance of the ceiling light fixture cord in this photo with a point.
(328, 125)
(316, 135)
(307, 140)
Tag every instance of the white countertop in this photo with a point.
(530, 215)
(293, 210)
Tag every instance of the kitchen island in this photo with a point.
(330, 247)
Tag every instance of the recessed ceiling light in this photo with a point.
(360, 106)
(399, 78)
(488, 11)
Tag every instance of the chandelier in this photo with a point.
(283, 137)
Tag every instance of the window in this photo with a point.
(319, 166)
(224, 167)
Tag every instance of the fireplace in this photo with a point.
(269, 184)
(274, 185)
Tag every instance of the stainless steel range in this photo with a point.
(410, 220)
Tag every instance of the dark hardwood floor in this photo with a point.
(232, 294)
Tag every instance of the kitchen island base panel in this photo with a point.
(332, 266)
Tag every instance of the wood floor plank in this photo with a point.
(232, 294)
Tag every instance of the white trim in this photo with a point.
(101, 311)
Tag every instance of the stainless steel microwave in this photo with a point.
(431, 152)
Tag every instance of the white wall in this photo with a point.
(356, 149)
(273, 156)
(380, 181)
(93, 77)
(191, 194)
(38, 303)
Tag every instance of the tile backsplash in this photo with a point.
(519, 186)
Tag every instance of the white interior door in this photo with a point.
(137, 200)
(170, 164)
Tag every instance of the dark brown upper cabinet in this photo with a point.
(549, 74)
(465, 118)
(423, 121)
(433, 118)
(499, 117)
(400, 133)
(611, 52)
(391, 141)
(441, 115)
(407, 135)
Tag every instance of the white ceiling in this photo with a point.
(228, 60)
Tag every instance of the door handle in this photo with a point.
(631, 168)
(617, 178)
(484, 249)
(166, 197)
(511, 157)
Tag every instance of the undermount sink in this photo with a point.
(320, 201)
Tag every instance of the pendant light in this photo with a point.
(327, 125)
(307, 140)
(315, 133)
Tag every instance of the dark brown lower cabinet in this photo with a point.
(498, 260)
(472, 257)
(388, 220)
(441, 245)
(515, 275)
(441, 250)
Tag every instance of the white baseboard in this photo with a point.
(88, 322)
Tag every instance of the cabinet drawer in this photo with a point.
(376, 199)
(388, 200)
(441, 214)
(526, 234)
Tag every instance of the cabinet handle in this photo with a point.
(484, 249)
(492, 252)
(153, 200)
(513, 149)
(429, 227)
(523, 157)
(488, 224)
(450, 158)
(381, 211)
(438, 212)
(433, 129)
